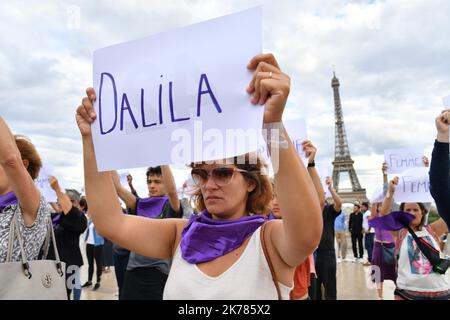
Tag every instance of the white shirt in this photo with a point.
(249, 278)
(90, 239)
(366, 216)
(415, 271)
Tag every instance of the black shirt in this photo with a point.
(67, 234)
(356, 223)
(327, 240)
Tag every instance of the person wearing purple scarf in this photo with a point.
(416, 279)
(19, 166)
(145, 277)
(218, 254)
(68, 224)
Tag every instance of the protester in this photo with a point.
(121, 257)
(340, 230)
(69, 223)
(369, 233)
(325, 253)
(94, 252)
(305, 273)
(19, 166)
(355, 226)
(383, 264)
(220, 249)
(145, 276)
(417, 278)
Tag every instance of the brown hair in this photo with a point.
(258, 201)
(28, 152)
(422, 208)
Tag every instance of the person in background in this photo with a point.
(355, 226)
(69, 223)
(19, 167)
(417, 279)
(94, 252)
(369, 233)
(382, 267)
(145, 276)
(325, 253)
(340, 230)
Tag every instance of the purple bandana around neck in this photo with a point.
(204, 238)
(151, 207)
(393, 222)
(271, 216)
(55, 219)
(7, 200)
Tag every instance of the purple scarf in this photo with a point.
(271, 216)
(151, 207)
(7, 200)
(55, 219)
(204, 238)
(393, 222)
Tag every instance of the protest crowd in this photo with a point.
(235, 232)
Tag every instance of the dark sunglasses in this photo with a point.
(221, 176)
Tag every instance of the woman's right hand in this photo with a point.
(393, 184)
(86, 115)
(384, 168)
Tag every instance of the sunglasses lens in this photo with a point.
(222, 176)
(200, 176)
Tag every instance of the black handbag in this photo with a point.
(388, 254)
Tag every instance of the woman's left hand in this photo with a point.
(269, 86)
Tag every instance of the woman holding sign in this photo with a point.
(19, 166)
(227, 245)
(420, 267)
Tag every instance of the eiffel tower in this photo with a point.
(342, 160)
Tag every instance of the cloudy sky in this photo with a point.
(391, 57)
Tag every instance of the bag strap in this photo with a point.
(269, 262)
(14, 232)
(427, 249)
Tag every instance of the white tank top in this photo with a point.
(249, 278)
(415, 271)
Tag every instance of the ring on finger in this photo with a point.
(270, 74)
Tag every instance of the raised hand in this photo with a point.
(310, 150)
(86, 115)
(426, 162)
(393, 184)
(442, 123)
(53, 183)
(269, 86)
(384, 168)
(328, 182)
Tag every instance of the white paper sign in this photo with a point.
(170, 98)
(446, 101)
(297, 132)
(44, 186)
(324, 172)
(413, 186)
(398, 160)
(123, 177)
(377, 195)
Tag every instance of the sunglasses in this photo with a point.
(221, 176)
